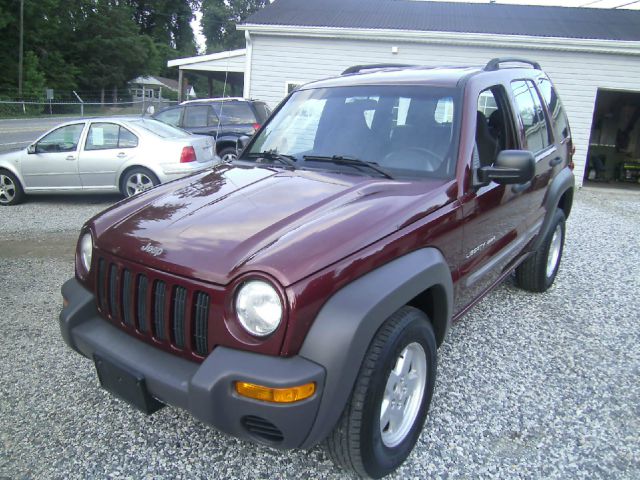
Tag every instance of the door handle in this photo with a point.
(70, 158)
(555, 161)
(122, 155)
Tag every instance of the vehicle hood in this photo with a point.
(232, 220)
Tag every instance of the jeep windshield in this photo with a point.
(400, 131)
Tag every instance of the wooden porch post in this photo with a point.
(180, 85)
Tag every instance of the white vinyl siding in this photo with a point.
(577, 76)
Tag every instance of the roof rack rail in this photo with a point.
(358, 68)
(494, 63)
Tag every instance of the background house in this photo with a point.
(592, 55)
(154, 87)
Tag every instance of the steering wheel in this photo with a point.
(413, 158)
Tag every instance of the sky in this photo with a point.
(627, 4)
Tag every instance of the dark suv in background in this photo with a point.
(225, 119)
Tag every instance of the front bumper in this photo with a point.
(206, 390)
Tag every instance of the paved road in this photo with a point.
(529, 386)
(18, 133)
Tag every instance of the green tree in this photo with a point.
(109, 50)
(168, 23)
(34, 80)
(219, 20)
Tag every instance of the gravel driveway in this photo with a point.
(530, 386)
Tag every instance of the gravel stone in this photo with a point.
(529, 385)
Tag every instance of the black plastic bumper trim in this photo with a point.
(206, 389)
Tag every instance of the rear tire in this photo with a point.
(228, 154)
(137, 180)
(11, 192)
(537, 273)
(388, 406)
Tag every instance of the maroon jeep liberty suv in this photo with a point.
(297, 295)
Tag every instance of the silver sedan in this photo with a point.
(127, 155)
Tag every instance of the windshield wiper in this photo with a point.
(354, 162)
(273, 156)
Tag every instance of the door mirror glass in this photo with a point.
(241, 143)
(31, 148)
(511, 166)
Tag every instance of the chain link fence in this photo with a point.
(40, 108)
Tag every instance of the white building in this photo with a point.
(592, 55)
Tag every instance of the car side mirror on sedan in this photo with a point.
(31, 148)
(511, 166)
(241, 143)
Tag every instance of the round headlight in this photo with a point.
(259, 308)
(86, 250)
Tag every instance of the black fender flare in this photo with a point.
(560, 184)
(348, 321)
(225, 141)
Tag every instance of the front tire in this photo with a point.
(537, 273)
(388, 406)
(137, 180)
(11, 192)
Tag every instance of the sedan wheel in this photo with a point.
(137, 181)
(10, 189)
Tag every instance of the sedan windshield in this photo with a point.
(402, 131)
(160, 129)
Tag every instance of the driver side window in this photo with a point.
(63, 139)
(493, 127)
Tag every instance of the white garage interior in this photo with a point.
(592, 55)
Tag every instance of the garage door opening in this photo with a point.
(613, 159)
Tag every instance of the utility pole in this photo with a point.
(21, 51)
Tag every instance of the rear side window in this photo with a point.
(262, 111)
(234, 113)
(532, 114)
(558, 115)
(170, 117)
(196, 116)
(104, 136)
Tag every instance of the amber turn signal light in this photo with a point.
(276, 395)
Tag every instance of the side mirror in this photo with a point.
(31, 148)
(511, 166)
(241, 143)
(151, 110)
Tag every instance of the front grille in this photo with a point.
(160, 310)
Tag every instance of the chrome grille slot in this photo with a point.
(200, 323)
(179, 313)
(158, 309)
(143, 317)
(101, 290)
(113, 281)
(127, 298)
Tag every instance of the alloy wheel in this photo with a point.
(138, 183)
(403, 395)
(7, 189)
(553, 257)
